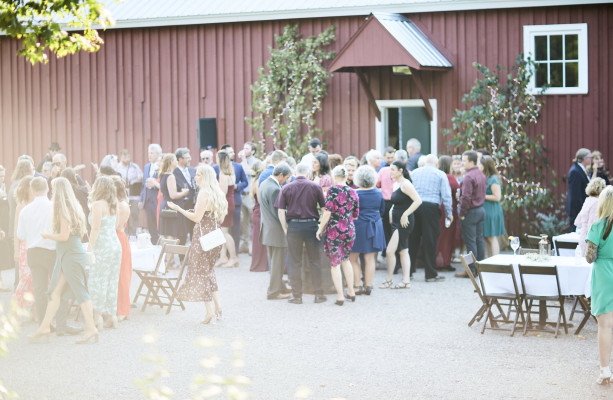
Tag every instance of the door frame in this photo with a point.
(380, 125)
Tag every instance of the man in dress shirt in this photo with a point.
(185, 176)
(241, 184)
(373, 158)
(414, 151)
(133, 176)
(389, 156)
(297, 204)
(247, 157)
(577, 182)
(472, 213)
(276, 157)
(151, 187)
(314, 148)
(34, 219)
(206, 157)
(272, 234)
(433, 187)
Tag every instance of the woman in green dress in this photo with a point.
(493, 225)
(68, 278)
(600, 252)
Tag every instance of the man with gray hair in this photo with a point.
(271, 231)
(414, 151)
(276, 157)
(206, 157)
(577, 182)
(373, 158)
(297, 204)
(149, 192)
(433, 187)
(401, 156)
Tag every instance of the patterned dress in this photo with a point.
(25, 279)
(342, 202)
(200, 281)
(104, 273)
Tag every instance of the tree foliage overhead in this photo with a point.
(496, 120)
(290, 91)
(41, 26)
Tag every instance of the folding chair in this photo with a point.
(141, 273)
(514, 297)
(564, 245)
(162, 288)
(532, 241)
(552, 272)
(468, 259)
(523, 251)
(586, 304)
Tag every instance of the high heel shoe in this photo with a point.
(605, 376)
(367, 290)
(87, 336)
(218, 314)
(352, 298)
(359, 290)
(207, 320)
(33, 338)
(339, 302)
(231, 264)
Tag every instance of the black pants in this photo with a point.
(426, 232)
(152, 223)
(472, 234)
(41, 262)
(301, 234)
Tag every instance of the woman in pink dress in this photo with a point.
(23, 197)
(259, 259)
(125, 272)
(227, 183)
(589, 212)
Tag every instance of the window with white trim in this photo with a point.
(560, 56)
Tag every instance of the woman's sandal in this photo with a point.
(402, 285)
(386, 285)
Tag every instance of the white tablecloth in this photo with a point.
(146, 258)
(572, 237)
(574, 272)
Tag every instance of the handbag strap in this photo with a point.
(200, 225)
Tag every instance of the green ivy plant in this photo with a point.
(290, 90)
(41, 26)
(500, 108)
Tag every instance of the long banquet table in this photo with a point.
(571, 237)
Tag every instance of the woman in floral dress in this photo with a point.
(338, 231)
(211, 207)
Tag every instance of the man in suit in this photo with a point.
(241, 184)
(185, 176)
(577, 182)
(414, 151)
(271, 232)
(149, 193)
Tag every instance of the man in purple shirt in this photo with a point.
(472, 214)
(297, 204)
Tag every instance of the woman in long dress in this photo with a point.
(227, 184)
(170, 226)
(600, 252)
(125, 272)
(211, 207)
(68, 278)
(104, 271)
(23, 197)
(259, 259)
(338, 231)
(405, 201)
(446, 243)
(493, 225)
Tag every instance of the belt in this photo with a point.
(303, 220)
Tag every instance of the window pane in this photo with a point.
(540, 48)
(555, 75)
(541, 74)
(572, 52)
(555, 47)
(572, 74)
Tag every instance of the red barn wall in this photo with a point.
(151, 85)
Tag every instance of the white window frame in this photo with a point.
(530, 31)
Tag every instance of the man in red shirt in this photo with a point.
(472, 214)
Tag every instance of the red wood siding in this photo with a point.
(151, 85)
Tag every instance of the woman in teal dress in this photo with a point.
(68, 278)
(493, 225)
(104, 272)
(600, 252)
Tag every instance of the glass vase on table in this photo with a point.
(515, 244)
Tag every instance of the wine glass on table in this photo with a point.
(515, 244)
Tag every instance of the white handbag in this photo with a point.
(212, 239)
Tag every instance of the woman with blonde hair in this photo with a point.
(68, 224)
(259, 259)
(227, 183)
(597, 169)
(589, 212)
(210, 210)
(23, 197)
(104, 271)
(170, 226)
(599, 251)
(125, 272)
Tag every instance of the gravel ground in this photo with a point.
(394, 344)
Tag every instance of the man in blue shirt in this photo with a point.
(276, 157)
(433, 187)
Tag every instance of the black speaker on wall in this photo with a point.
(207, 133)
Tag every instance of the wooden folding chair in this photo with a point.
(514, 297)
(564, 245)
(523, 251)
(156, 269)
(532, 241)
(468, 259)
(552, 272)
(586, 304)
(162, 288)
